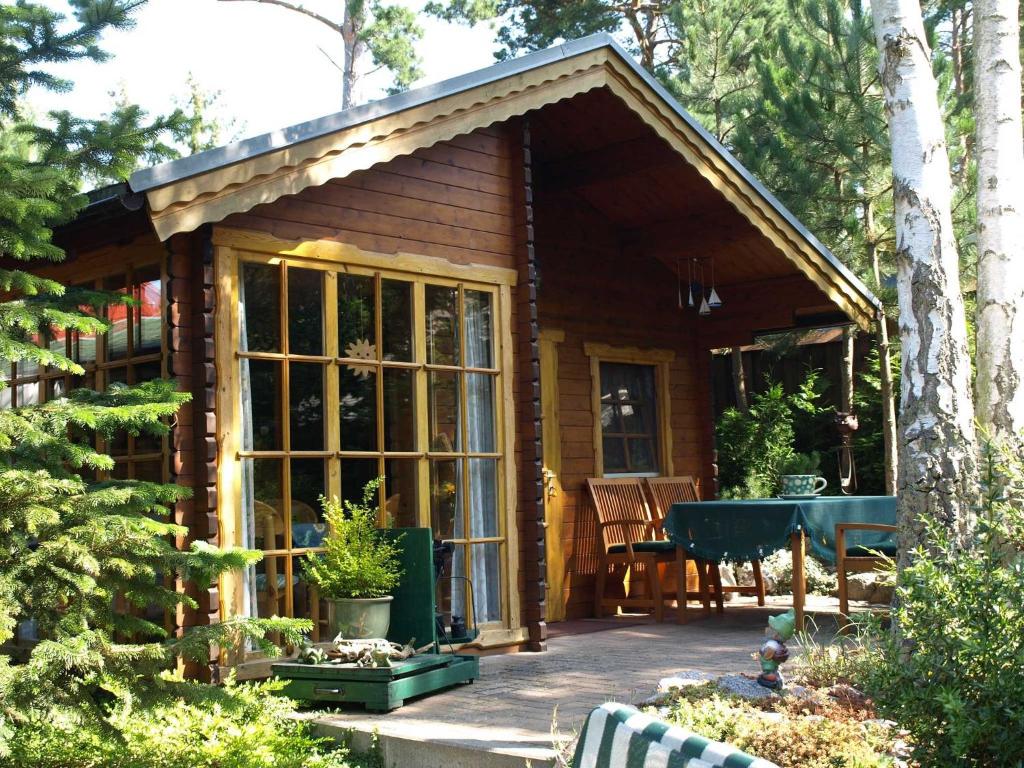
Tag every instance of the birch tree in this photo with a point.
(937, 449)
(1000, 157)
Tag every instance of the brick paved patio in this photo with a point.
(509, 711)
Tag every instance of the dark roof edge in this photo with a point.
(176, 170)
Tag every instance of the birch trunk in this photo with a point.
(1000, 156)
(846, 388)
(937, 448)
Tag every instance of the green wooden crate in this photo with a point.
(382, 689)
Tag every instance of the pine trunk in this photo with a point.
(846, 391)
(739, 380)
(889, 439)
(937, 448)
(1000, 156)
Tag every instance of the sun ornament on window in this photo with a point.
(361, 350)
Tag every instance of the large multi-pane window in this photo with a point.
(347, 375)
(130, 352)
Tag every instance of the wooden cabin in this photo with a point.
(472, 290)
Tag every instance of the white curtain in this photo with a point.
(248, 473)
(483, 501)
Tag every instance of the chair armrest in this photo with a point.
(627, 521)
(865, 527)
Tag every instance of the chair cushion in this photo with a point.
(644, 546)
(889, 550)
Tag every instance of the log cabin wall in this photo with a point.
(589, 290)
(451, 201)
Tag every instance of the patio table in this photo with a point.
(755, 528)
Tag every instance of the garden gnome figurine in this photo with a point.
(774, 651)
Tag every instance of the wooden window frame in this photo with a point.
(233, 248)
(660, 360)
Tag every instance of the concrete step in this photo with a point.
(411, 743)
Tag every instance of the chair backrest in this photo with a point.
(666, 491)
(617, 500)
(619, 736)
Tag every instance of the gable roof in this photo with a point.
(184, 194)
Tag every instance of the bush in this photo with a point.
(356, 562)
(785, 735)
(951, 674)
(754, 446)
(183, 725)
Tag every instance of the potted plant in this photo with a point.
(358, 568)
(799, 476)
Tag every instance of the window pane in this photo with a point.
(443, 395)
(442, 325)
(263, 476)
(401, 479)
(261, 405)
(614, 450)
(396, 319)
(260, 299)
(305, 312)
(480, 413)
(479, 334)
(399, 409)
(55, 388)
(308, 486)
(83, 346)
(302, 594)
(483, 498)
(147, 317)
(117, 315)
(57, 344)
(148, 371)
(355, 474)
(306, 423)
(446, 500)
(356, 319)
(642, 455)
(486, 576)
(629, 418)
(28, 394)
(153, 471)
(269, 586)
(358, 408)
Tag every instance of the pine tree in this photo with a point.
(72, 547)
(388, 33)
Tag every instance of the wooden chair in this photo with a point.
(666, 491)
(858, 559)
(626, 537)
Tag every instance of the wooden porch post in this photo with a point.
(531, 490)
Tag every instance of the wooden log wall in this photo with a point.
(589, 290)
(529, 461)
(193, 440)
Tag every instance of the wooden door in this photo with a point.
(553, 495)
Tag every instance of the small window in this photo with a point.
(629, 419)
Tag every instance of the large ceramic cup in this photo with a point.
(802, 485)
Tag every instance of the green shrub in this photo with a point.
(356, 562)
(785, 735)
(182, 725)
(753, 447)
(802, 464)
(951, 674)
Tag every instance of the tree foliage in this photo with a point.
(82, 556)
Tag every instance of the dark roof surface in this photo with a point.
(176, 170)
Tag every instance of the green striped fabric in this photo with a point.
(618, 736)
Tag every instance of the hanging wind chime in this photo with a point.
(695, 289)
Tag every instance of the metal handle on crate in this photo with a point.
(335, 691)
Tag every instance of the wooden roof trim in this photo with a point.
(636, 94)
(266, 177)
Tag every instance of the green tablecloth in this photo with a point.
(754, 529)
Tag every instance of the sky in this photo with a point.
(264, 60)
